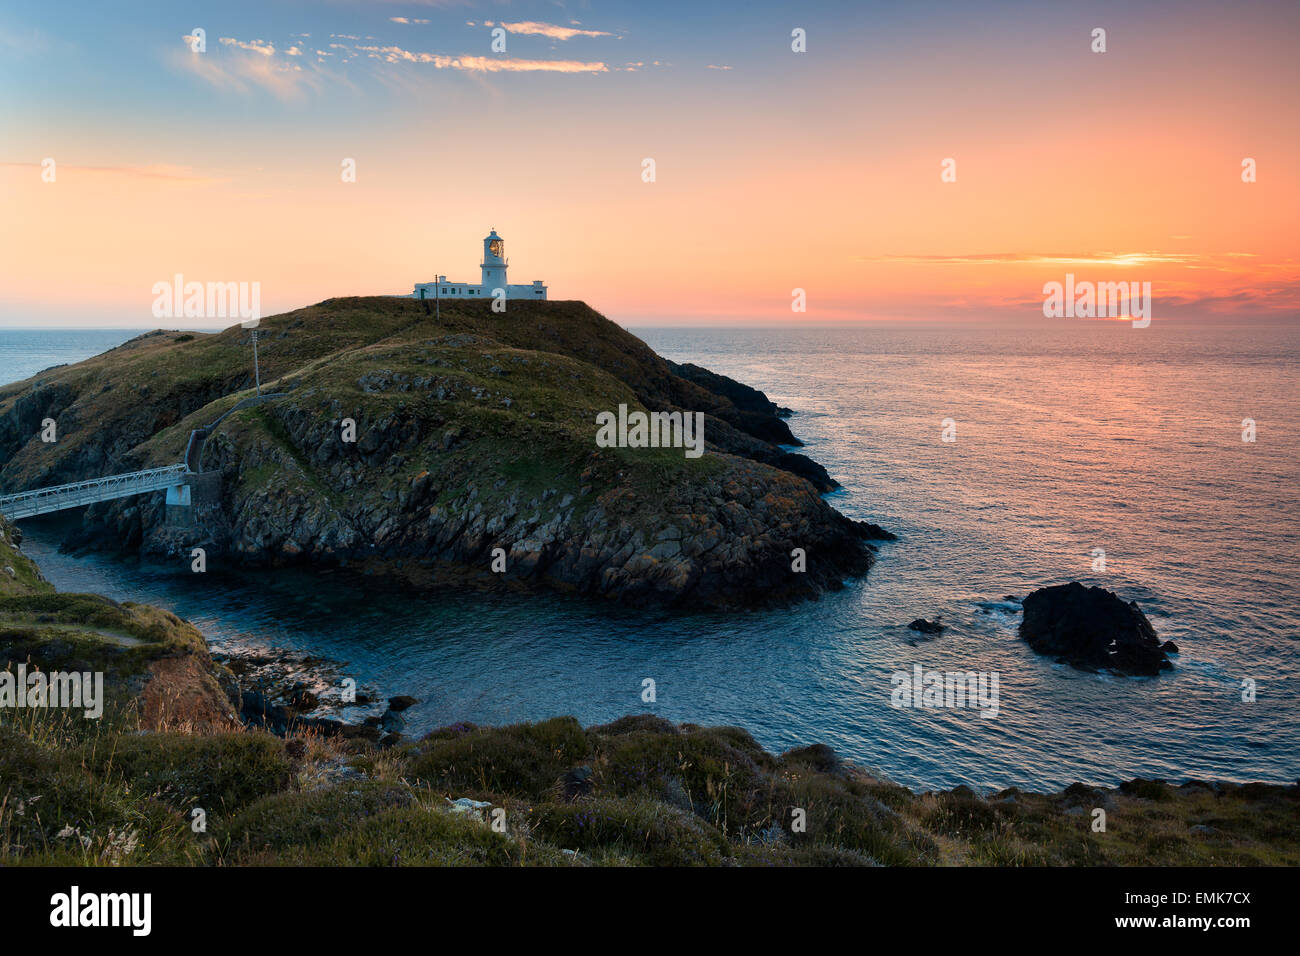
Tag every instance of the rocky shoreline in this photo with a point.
(396, 443)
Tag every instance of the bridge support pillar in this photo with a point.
(196, 502)
(179, 512)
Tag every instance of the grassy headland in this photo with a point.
(401, 438)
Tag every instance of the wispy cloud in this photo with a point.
(256, 46)
(246, 65)
(550, 30)
(1039, 258)
(483, 64)
(242, 71)
(407, 20)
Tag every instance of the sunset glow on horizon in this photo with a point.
(774, 170)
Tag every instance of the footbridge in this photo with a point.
(174, 479)
(28, 504)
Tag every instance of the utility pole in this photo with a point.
(437, 299)
(257, 372)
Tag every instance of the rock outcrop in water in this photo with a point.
(421, 447)
(1092, 629)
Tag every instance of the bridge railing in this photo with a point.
(27, 504)
(39, 501)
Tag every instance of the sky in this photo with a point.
(127, 156)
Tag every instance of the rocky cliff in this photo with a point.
(423, 446)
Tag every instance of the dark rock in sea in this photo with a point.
(1092, 629)
(805, 467)
(873, 532)
(1011, 597)
(1169, 647)
(745, 398)
(927, 627)
(393, 722)
(401, 702)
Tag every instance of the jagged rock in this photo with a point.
(1092, 629)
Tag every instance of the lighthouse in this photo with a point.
(494, 284)
(494, 262)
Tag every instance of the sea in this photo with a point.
(1161, 463)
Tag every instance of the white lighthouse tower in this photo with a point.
(494, 262)
(494, 278)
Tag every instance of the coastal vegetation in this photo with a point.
(168, 776)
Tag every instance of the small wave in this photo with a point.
(1004, 607)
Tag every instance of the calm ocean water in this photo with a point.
(24, 352)
(1070, 438)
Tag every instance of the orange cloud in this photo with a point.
(484, 64)
(1034, 258)
(550, 30)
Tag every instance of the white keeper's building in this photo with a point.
(494, 266)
